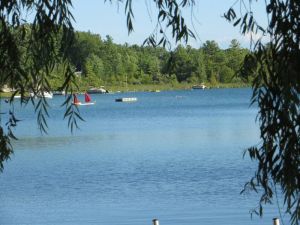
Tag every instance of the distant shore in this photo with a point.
(168, 87)
(156, 87)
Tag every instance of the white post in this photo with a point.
(155, 222)
(276, 221)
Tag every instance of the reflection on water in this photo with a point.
(176, 159)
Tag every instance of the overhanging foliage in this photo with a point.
(276, 90)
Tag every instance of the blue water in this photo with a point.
(175, 156)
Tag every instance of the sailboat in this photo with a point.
(130, 99)
(87, 100)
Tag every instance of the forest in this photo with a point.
(99, 62)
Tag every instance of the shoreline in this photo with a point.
(155, 88)
(170, 87)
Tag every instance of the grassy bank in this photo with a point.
(5, 94)
(157, 87)
(149, 87)
(230, 85)
(165, 87)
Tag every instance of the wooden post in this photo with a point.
(155, 222)
(276, 221)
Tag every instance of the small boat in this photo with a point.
(97, 91)
(6, 89)
(201, 86)
(87, 100)
(59, 92)
(44, 94)
(132, 99)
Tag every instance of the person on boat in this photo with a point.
(87, 97)
(75, 99)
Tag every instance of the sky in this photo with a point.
(207, 23)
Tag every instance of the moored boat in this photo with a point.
(155, 91)
(59, 92)
(6, 89)
(200, 86)
(97, 91)
(44, 94)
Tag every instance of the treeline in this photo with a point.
(100, 62)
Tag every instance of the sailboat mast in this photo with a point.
(126, 82)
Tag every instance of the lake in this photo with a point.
(175, 156)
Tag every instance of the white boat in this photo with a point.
(97, 91)
(6, 89)
(87, 100)
(59, 92)
(44, 94)
(200, 86)
(132, 99)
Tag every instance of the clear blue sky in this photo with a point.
(109, 19)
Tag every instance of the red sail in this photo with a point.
(87, 97)
(75, 101)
